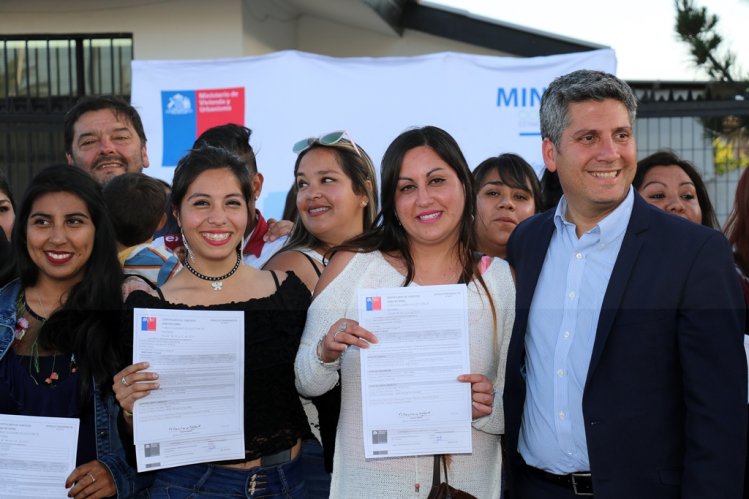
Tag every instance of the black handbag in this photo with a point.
(442, 490)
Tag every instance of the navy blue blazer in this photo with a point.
(665, 400)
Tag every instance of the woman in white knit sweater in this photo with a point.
(424, 237)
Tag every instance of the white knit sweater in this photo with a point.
(360, 478)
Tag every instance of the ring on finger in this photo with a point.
(336, 334)
(342, 327)
(93, 480)
(124, 381)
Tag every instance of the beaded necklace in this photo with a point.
(217, 283)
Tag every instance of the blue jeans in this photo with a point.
(315, 476)
(207, 481)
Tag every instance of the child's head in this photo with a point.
(136, 204)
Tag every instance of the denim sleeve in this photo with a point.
(113, 451)
(129, 483)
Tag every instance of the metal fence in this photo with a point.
(41, 77)
(690, 119)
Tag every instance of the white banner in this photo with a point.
(489, 104)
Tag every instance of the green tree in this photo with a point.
(697, 27)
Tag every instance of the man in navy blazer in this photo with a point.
(626, 375)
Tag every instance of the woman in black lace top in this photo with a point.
(210, 192)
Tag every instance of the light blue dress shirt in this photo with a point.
(559, 341)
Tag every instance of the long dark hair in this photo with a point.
(388, 234)
(87, 325)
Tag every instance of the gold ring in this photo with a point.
(93, 480)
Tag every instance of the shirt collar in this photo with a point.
(610, 227)
(254, 243)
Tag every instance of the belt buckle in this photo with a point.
(582, 491)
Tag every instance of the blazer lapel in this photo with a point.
(528, 267)
(536, 255)
(612, 300)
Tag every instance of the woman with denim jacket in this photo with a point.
(59, 323)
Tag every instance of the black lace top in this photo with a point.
(273, 415)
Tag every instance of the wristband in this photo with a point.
(318, 351)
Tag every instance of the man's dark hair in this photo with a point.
(120, 107)
(136, 204)
(233, 138)
(579, 86)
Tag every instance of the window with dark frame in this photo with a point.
(41, 77)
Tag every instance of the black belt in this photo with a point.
(581, 482)
(280, 457)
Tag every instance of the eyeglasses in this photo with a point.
(326, 140)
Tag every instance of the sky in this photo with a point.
(641, 32)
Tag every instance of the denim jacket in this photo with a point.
(108, 445)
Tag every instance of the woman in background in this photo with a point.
(507, 192)
(7, 207)
(7, 217)
(336, 199)
(737, 232)
(674, 185)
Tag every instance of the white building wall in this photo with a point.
(267, 27)
(196, 29)
(176, 29)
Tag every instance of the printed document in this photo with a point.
(197, 414)
(412, 402)
(36, 455)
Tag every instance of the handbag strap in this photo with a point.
(436, 470)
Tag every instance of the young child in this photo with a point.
(136, 205)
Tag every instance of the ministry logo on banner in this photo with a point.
(188, 113)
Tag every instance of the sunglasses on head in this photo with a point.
(326, 140)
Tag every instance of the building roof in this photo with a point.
(396, 16)
(464, 26)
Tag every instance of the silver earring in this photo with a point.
(189, 254)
